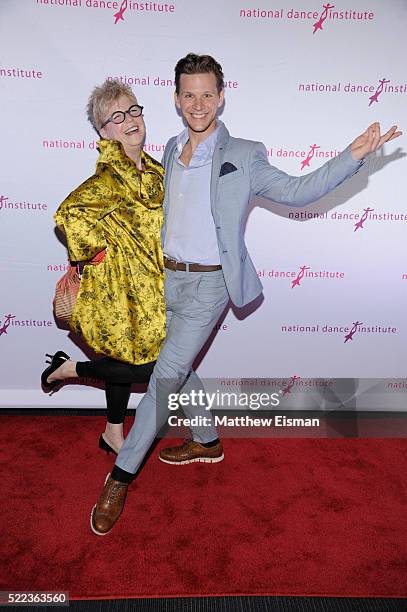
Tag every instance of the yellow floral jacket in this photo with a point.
(120, 309)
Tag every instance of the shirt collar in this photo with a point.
(204, 152)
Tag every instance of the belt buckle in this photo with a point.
(173, 261)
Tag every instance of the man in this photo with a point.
(209, 181)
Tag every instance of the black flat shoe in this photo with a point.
(105, 446)
(56, 361)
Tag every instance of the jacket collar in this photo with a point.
(223, 136)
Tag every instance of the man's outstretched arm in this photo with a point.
(269, 182)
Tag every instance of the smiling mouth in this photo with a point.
(132, 130)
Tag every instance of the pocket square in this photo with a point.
(227, 168)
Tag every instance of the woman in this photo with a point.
(120, 310)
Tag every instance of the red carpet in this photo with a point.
(277, 517)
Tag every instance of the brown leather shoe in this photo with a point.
(191, 451)
(109, 506)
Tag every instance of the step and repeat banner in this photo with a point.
(305, 77)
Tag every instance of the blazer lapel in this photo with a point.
(167, 176)
(217, 160)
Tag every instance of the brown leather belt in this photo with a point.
(174, 265)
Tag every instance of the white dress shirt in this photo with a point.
(191, 234)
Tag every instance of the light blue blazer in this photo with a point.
(231, 195)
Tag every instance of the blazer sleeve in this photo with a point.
(269, 182)
(80, 217)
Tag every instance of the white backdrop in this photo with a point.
(288, 87)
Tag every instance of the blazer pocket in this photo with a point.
(231, 176)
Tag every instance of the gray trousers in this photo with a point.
(195, 301)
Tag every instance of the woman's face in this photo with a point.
(132, 132)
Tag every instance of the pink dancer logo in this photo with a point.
(353, 331)
(119, 15)
(378, 91)
(3, 200)
(301, 273)
(359, 224)
(324, 15)
(6, 324)
(310, 155)
(290, 385)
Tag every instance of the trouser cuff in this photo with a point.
(122, 475)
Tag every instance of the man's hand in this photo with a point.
(371, 140)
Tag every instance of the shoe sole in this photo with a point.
(95, 531)
(196, 460)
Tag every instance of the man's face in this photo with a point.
(132, 132)
(198, 101)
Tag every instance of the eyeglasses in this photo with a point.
(119, 116)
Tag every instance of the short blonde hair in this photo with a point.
(101, 98)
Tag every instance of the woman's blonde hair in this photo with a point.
(102, 97)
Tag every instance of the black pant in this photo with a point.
(119, 377)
